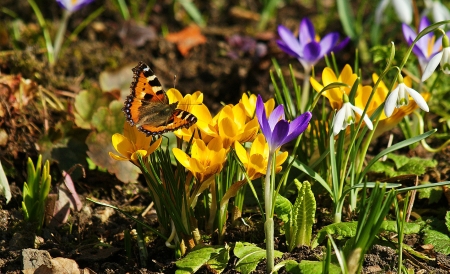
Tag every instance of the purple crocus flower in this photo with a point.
(427, 46)
(73, 5)
(306, 48)
(276, 129)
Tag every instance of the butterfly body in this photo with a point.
(148, 108)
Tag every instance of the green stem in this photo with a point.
(60, 34)
(48, 40)
(305, 89)
(268, 225)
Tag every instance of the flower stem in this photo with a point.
(305, 90)
(268, 225)
(61, 31)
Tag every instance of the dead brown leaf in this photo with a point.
(186, 39)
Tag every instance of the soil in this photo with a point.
(94, 236)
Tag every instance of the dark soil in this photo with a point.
(94, 237)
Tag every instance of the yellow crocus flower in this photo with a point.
(205, 160)
(132, 144)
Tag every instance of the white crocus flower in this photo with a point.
(400, 97)
(442, 58)
(346, 116)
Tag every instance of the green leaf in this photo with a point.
(348, 230)
(283, 208)
(303, 213)
(195, 259)
(109, 119)
(347, 18)
(309, 267)
(87, 103)
(341, 230)
(447, 220)
(439, 240)
(249, 256)
(432, 193)
(403, 165)
(220, 261)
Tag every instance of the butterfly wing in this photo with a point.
(148, 108)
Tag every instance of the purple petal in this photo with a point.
(279, 134)
(276, 115)
(298, 126)
(328, 42)
(289, 40)
(306, 32)
(262, 118)
(341, 45)
(282, 45)
(408, 33)
(312, 52)
(424, 23)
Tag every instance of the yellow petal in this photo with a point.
(122, 145)
(154, 146)
(117, 157)
(174, 95)
(281, 158)
(134, 156)
(328, 76)
(182, 157)
(260, 146)
(241, 153)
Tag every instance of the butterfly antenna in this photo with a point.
(174, 80)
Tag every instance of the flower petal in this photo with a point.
(432, 65)
(328, 42)
(403, 8)
(241, 153)
(279, 134)
(276, 115)
(289, 40)
(366, 117)
(306, 31)
(312, 52)
(284, 47)
(418, 98)
(391, 102)
(298, 126)
(262, 118)
(122, 145)
(338, 120)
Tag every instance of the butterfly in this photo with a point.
(148, 108)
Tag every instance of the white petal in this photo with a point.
(403, 8)
(338, 120)
(418, 98)
(432, 65)
(380, 11)
(366, 117)
(445, 60)
(391, 102)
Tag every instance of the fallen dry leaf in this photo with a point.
(186, 39)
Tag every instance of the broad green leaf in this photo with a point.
(283, 208)
(249, 256)
(408, 228)
(403, 165)
(219, 261)
(309, 267)
(447, 220)
(432, 193)
(195, 259)
(439, 240)
(109, 119)
(348, 230)
(395, 147)
(87, 103)
(339, 230)
(303, 213)
(4, 185)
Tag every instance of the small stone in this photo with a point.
(34, 258)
